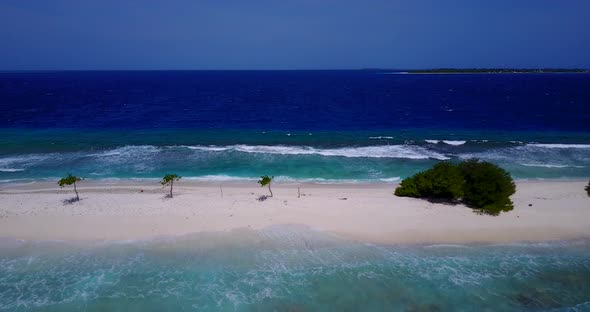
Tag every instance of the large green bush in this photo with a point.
(478, 184)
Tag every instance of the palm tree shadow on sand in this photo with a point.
(70, 201)
(262, 198)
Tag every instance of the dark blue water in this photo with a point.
(295, 100)
(305, 125)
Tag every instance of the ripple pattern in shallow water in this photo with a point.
(291, 268)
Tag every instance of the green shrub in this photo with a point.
(588, 188)
(487, 186)
(478, 184)
(443, 181)
(409, 186)
(447, 182)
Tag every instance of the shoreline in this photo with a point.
(51, 183)
(369, 213)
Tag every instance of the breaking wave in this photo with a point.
(381, 137)
(552, 166)
(11, 169)
(449, 142)
(559, 145)
(381, 151)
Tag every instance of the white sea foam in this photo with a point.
(449, 142)
(6, 162)
(219, 178)
(11, 169)
(286, 179)
(394, 179)
(210, 148)
(381, 151)
(380, 137)
(127, 151)
(559, 145)
(551, 165)
(105, 154)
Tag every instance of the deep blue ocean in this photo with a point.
(334, 126)
(323, 126)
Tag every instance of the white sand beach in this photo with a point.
(544, 210)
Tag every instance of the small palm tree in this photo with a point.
(169, 180)
(265, 181)
(69, 180)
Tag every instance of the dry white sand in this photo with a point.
(369, 213)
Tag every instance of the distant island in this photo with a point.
(495, 71)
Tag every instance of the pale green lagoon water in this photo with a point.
(289, 268)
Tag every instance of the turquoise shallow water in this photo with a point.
(289, 268)
(374, 156)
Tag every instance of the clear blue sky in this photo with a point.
(299, 34)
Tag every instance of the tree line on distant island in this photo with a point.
(477, 184)
(495, 70)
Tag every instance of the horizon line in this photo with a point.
(308, 69)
